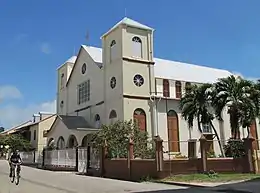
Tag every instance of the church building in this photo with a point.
(123, 80)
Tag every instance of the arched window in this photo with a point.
(173, 131)
(62, 81)
(140, 118)
(178, 89)
(61, 143)
(112, 116)
(166, 88)
(72, 141)
(112, 50)
(97, 121)
(50, 142)
(137, 47)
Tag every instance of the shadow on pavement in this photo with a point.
(250, 186)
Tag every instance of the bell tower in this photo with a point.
(128, 71)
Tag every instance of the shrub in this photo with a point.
(234, 148)
(116, 137)
(211, 154)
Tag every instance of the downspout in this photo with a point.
(153, 101)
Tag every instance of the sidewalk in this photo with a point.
(199, 184)
(242, 186)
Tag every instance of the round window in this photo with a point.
(61, 104)
(84, 68)
(113, 82)
(138, 80)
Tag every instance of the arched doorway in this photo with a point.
(253, 131)
(72, 141)
(61, 143)
(140, 118)
(87, 140)
(173, 131)
(50, 142)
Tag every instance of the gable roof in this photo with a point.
(74, 122)
(129, 22)
(17, 127)
(71, 122)
(94, 54)
(72, 60)
(44, 119)
(187, 72)
(175, 70)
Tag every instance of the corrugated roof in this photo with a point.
(175, 70)
(74, 122)
(187, 72)
(129, 22)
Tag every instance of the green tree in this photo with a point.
(15, 141)
(196, 104)
(116, 137)
(234, 93)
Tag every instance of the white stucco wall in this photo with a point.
(60, 129)
(95, 74)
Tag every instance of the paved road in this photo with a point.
(35, 180)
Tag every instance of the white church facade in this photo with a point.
(122, 81)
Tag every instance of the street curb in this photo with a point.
(182, 184)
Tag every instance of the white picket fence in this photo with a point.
(60, 158)
(27, 157)
(65, 158)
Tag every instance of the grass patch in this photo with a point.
(211, 177)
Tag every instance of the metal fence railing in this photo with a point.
(65, 158)
(81, 159)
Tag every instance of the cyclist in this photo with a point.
(14, 158)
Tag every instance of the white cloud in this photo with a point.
(9, 92)
(11, 115)
(45, 48)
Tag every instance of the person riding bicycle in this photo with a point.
(14, 159)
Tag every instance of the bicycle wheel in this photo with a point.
(12, 177)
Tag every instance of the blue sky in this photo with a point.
(37, 36)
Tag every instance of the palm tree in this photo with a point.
(196, 104)
(234, 92)
(251, 109)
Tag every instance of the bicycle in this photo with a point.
(15, 173)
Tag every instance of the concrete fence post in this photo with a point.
(77, 159)
(43, 157)
(192, 148)
(103, 155)
(130, 157)
(248, 144)
(159, 153)
(34, 157)
(203, 151)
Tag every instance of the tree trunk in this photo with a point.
(219, 142)
(199, 125)
(248, 131)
